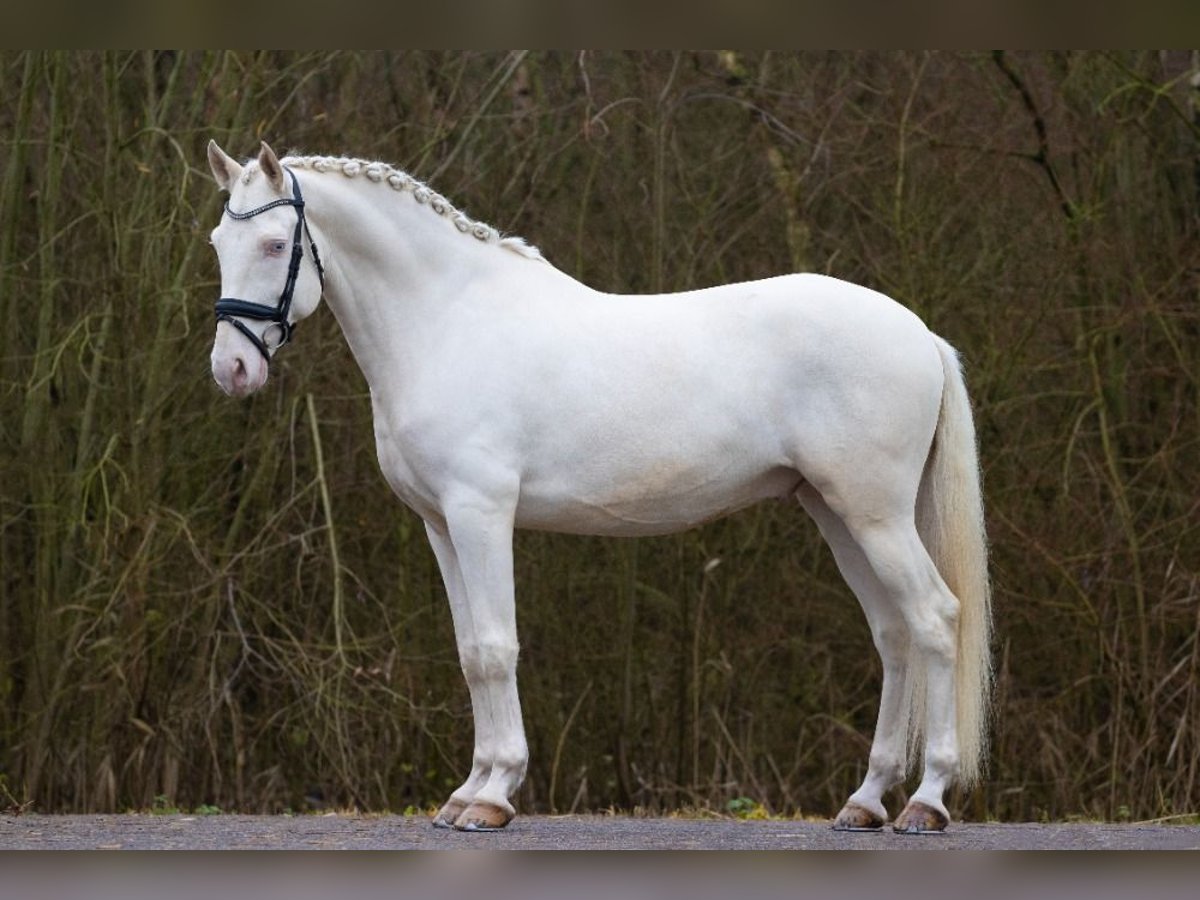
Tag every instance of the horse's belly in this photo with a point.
(659, 500)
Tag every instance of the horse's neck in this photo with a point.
(396, 268)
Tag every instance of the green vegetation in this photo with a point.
(175, 632)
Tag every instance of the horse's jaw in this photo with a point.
(237, 365)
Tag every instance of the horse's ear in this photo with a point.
(268, 162)
(225, 170)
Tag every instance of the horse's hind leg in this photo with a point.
(864, 810)
(911, 580)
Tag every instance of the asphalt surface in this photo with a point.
(371, 832)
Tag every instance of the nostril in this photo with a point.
(240, 375)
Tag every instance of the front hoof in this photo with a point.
(447, 814)
(483, 816)
(919, 818)
(857, 818)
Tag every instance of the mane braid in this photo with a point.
(383, 173)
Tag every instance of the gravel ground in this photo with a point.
(577, 876)
(366, 832)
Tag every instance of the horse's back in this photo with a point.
(793, 348)
(806, 324)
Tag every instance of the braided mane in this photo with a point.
(383, 173)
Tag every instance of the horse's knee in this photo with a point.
(489, 660)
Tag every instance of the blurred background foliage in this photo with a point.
(168, 630)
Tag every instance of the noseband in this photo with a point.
(229, 309)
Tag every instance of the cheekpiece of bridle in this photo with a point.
(232, 310)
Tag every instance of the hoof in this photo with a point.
(857, 818)
(482, 816)
(918, 818)
(447, 814)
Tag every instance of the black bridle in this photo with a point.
(228, 309)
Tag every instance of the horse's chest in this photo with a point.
(399, 469)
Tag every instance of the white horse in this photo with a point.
(508, 395)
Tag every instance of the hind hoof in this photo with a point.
(857, 818)
(483, 816)
(920, 818)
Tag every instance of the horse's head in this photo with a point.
(265, 285)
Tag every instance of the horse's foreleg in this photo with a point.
(864, 810)
(464, 634)
(480, 532)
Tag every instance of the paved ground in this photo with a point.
(338, 832)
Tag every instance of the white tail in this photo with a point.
(950, 522)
